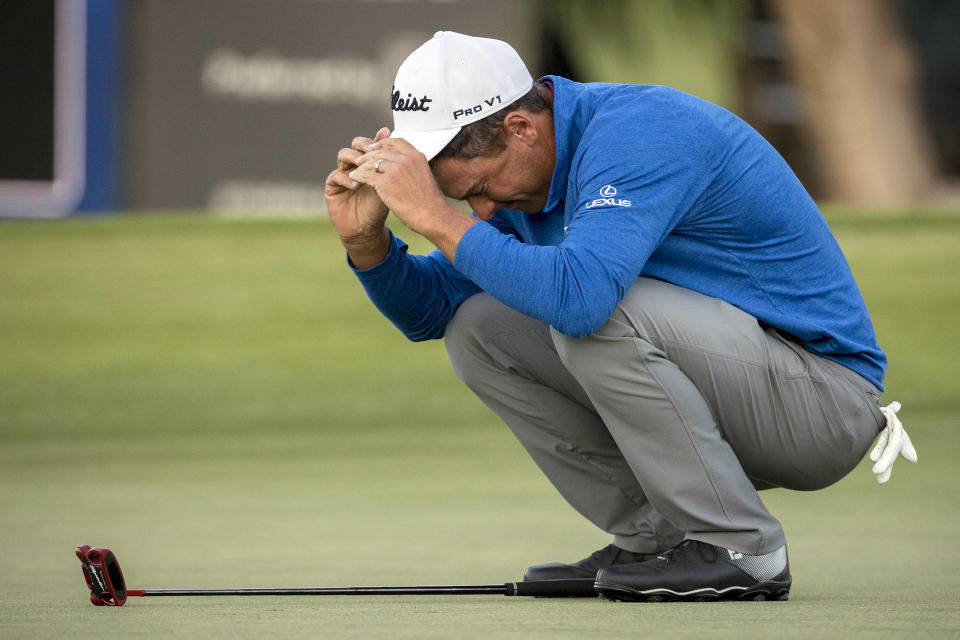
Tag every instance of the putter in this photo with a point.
(103, 576)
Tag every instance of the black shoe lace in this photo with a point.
(610, 551)
(708, 552)
(609, 556)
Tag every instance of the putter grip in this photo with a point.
(553, 589)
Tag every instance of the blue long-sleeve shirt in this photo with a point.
(651, 182)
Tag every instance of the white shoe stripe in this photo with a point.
(692, 592)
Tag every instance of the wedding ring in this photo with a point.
(376, 165)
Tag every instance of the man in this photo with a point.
(644, 293)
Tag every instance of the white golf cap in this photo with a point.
(450, 81)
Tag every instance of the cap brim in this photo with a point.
(429, 143)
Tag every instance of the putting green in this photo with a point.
(217, 402)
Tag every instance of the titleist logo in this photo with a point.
(96, 575)
(409, 103)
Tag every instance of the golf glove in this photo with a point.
(893, 441)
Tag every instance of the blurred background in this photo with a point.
(239, 106)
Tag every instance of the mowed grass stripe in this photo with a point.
(218, 402)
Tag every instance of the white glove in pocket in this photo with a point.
(893, 441)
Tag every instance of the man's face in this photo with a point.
(519, 178)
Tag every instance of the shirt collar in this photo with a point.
(564, 95)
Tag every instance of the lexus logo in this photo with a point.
(608, 198)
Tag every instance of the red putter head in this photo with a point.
(103, 576)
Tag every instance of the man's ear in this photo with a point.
(520, 127)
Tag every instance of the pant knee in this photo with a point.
(567, 347)
(485, 330)
(467, 333)
(629, 319)
(487, 341)
(593, 357)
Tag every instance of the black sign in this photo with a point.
(241, 106)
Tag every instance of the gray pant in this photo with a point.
(663, 424)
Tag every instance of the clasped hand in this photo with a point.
(402, 178)
(386, 174)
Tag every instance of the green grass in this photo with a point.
(218, 402)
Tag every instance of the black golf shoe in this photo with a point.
(578, 577)
(698, 571)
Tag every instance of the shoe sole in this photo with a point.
(764, 591)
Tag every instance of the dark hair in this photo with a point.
(486, 137)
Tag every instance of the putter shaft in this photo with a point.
(482, 589)
(547, 588)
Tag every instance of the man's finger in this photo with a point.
(382, 154)
(361, 144)
(394, 144)
(338, 182)
(347, 159)
(364, 174)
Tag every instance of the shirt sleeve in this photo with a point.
(627, 196)
(418, 293)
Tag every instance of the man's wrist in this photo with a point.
(445, 228)
(366, 252)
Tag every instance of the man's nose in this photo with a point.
(483, 207)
